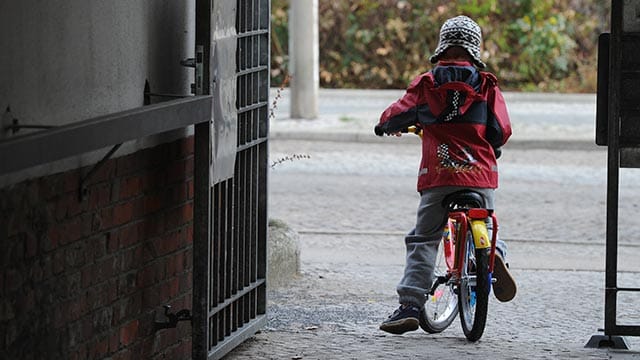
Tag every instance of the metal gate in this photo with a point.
(618, 127)
(230, 219)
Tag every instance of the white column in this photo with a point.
(304, 58)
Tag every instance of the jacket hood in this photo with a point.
(445, 73)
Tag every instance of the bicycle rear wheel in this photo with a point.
(473, 297)
(441, 307)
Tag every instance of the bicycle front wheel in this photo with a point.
(441, 307)
(473, 297)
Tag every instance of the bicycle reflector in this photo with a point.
(478, 213)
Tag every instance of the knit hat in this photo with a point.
(460, 31)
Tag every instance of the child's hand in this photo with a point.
(378, 131)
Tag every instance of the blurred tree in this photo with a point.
(532, 45)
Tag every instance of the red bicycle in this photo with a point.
(464, 267)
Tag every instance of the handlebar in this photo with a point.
(411, 129)
(418, 131)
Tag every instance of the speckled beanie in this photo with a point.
(460, 31)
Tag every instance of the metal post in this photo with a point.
(613, 170)
(616, 111)
(202, 188)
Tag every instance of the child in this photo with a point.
(465, 122)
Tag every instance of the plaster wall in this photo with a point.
(66, 61)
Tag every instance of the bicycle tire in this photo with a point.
(473, 296)
(441, 308)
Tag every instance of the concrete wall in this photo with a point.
(65, 61)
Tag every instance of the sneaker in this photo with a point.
(404, 319)
(504, 286)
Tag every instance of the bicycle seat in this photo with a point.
(463, 199)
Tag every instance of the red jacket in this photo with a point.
(464, 119)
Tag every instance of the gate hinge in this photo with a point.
(172, 322)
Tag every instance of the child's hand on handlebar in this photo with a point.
(378, 131)
(411, 129)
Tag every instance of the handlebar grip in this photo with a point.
(415, 130)
(411, 129)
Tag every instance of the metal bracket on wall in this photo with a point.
(83, 193)
(173, 319)
(190, 62)
(11, 124)
(148, 94)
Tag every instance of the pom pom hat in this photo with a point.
(460, 31)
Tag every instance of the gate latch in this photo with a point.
(182, 315)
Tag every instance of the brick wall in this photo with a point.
(85, 279)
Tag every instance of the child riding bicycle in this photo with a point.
(464, 120)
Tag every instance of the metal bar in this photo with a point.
(203, 334)
(251, 225)
(255, 190)
(631, 330)
(202, 239)
(229, 343)
(623, 289)
(613, 170)
(16, 127)
(253, 33)
(94, 169)
(261, 238)
(42, 147)
(251, 144)
(179, 96)
(262, 168)
(252, 107)
(253, 70)
(602, 98)
(237, 238)
(216, 246)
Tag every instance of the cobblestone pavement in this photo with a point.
(351, 203)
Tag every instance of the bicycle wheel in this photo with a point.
(441, 307)
(473, 297)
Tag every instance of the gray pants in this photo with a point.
(422, 243)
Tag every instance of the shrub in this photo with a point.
(541, 45)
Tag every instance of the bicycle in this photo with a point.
(464, 265)
(463, 269)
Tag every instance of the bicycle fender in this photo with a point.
(480, 234)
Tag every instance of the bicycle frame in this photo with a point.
(456, 240)
(467, 252)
